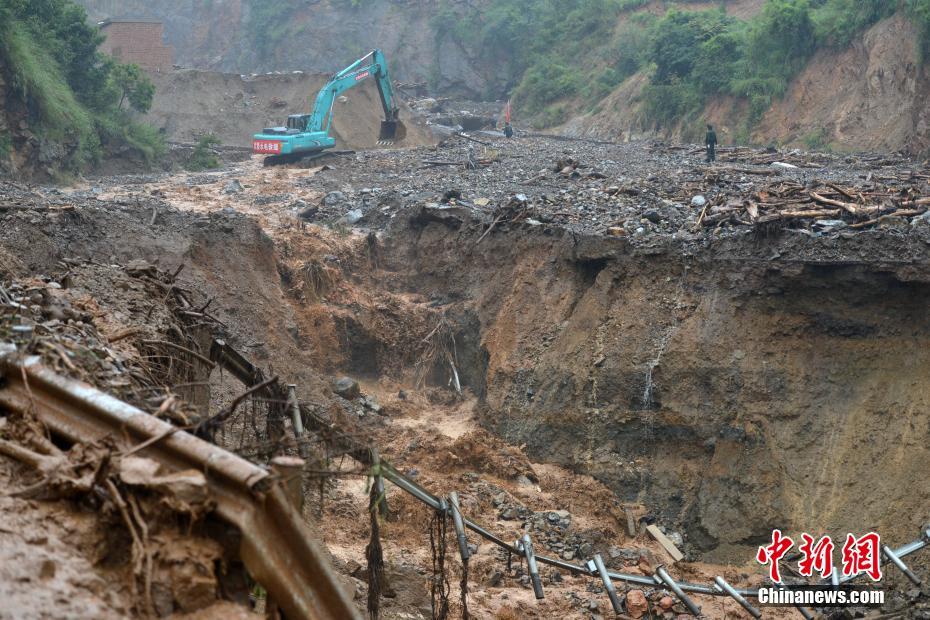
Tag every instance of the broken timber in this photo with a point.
(667, 544)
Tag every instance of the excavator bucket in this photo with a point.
(391, 132)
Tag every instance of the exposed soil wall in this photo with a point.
(867, 97)
(189, 104)
(731, 391)
(320, 36)
(871, 96)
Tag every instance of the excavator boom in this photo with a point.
(306, 134)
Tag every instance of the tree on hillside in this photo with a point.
(135, 86)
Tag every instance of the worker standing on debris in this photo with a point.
(508, 130)
(711, 141)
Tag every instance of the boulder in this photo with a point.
(347, 387)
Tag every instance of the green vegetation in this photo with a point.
(561, 57)
(73, 92)
(203, 157)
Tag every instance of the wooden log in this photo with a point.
(854, 209)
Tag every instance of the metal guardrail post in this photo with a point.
(597, 567)
(901, 565)
(459, 526)
(291, 469)
(736, 596)
(526, 546)
(664, 577)
(835, 578)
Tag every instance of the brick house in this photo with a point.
(139, 41)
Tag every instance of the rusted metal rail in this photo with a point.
(277, 548)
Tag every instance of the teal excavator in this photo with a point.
(308, 134)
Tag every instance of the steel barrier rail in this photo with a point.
(720, 588)
(276, 547)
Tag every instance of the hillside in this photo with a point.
(818, 73)
(252, 36)
(191, 103)
(65, 106)
(867, 96)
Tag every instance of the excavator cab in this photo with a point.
(298, 122)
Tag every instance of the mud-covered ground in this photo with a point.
(622, 346)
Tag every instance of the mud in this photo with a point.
(723, 381)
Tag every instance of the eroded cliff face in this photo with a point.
(317, 36)
(870, 96)
(728, 388)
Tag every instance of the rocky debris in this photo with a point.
(649, 195)
(347, 387)
(636, 604)
(333, 198)
(233, 186)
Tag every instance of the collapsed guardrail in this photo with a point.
(595, 568)
(227, 357)
(277, 548)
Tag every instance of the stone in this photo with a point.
(698, 201)
(568, 555)
(351, 217)
(334, 198)
(893, 221)
(921, 220)
(830, 224)
(495, 577)
(636, 604)
(356, 570)
(616, 231)
(347, 387)
(653, 216)
(666, 603)
(233, 186)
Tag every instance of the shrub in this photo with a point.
(203, 157)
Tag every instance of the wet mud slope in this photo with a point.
(555, 330)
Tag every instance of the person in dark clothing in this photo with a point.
(711, 141)
(508, 130)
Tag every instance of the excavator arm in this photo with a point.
(308, 134)
(372, 65)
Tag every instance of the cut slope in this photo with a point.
(191, 103)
